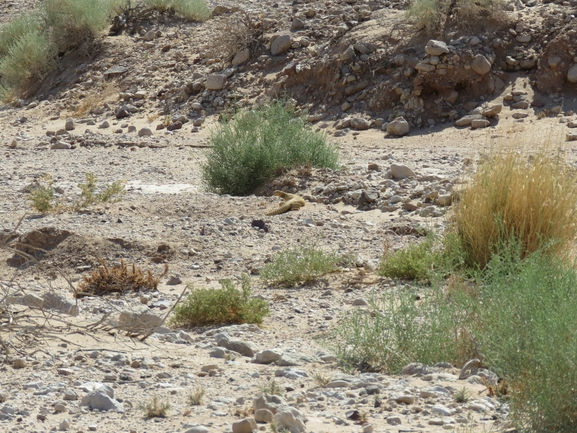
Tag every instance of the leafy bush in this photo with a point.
(404, 326)
(416, 262)
(529, 337)
(13, 30)
(254, 146)
(74, 22)
(510, 198)
(42, 196)
(227, 305)
(27, 61)
(300, 264)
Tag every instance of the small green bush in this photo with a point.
(300, 264)
(415, 262)
(13, 30)
(75, 22)
(254, 146)
(42, 197)
(529, 337)
(227, 305)
(405, 326)
(156, 408)
(88, 195)
(196, 10)
(28, 60)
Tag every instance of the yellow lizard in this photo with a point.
(291, 202)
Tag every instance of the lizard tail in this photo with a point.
(281, 209)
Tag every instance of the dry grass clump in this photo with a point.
(156, 408)
(511, 198)
(95, 99)
(118, 279)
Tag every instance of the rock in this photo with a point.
(267, 356)
(479, 123)
(360, 302)
(104, 125)
(100, 400)
(521, 105)
(64, 425)
(445, 199)
(269, 402)
(398, 127)
(61, 145)
(572, 74)
(442, 410)
(411, 206)
(70, 394)
(400, 171)
(174, 280)
(297, 24)
(571, 136)
(466, 120)
(239, 346)
(348, 55)
(416, 368)
(122, 112)
(69, 125)
(519, 115)
(138, 320)
(480, 64)
(291, 373)
(360, 123)
(492, 110)
(241, 57)
(215, 82)
(197, 429)
(280, 45)
(174, 126)
(356, 88)
(523, 38)
(246, 425)
(394, 420)
(60, 407)
(436, 48)
(404, 398)
(53, 301)
(221, 10)
(289, 418)
(145, 132)
(263, 415)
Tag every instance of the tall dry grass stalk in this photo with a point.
(531, 200)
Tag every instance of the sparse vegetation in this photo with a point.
(516, 224)
(195, 399)
(254, 146)
(321, 379)
(302, 263)
(227, 305)
(43, 199)
(196, 10)
(117, 279)
(271, 387)
(461, 396)
(156, 408)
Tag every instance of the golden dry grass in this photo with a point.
(530, 199)
(96, 98)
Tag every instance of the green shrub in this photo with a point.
(75, 22)
(254, 146)
(14, 30)
(404, 326)
(300, 264)
(226, 305)
(512, 198)
(42, 197)
(88, 195)
(529, 337)
(190, 9)
(28, 60)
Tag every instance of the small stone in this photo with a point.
(480, 64)
(523, 38)
(360, 123)
(145, 132)
(398, 127)
(241, 57)
(406, 399)
(479, 123)
(263, 415)
(92, 427)
(61, 145)
(64, 425)
(444, 199)
(466, 120)
(104, 125)
(360, 302)
(492, 110)
(174, 280)
(571, 136)
(174, 126)
(401, 171)
(60, 407)
(122, 112)
(215, 82)
(246, 425)
(436, 48)
(519, 115)
(280, 45)
(69, 125)
(394, 420)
